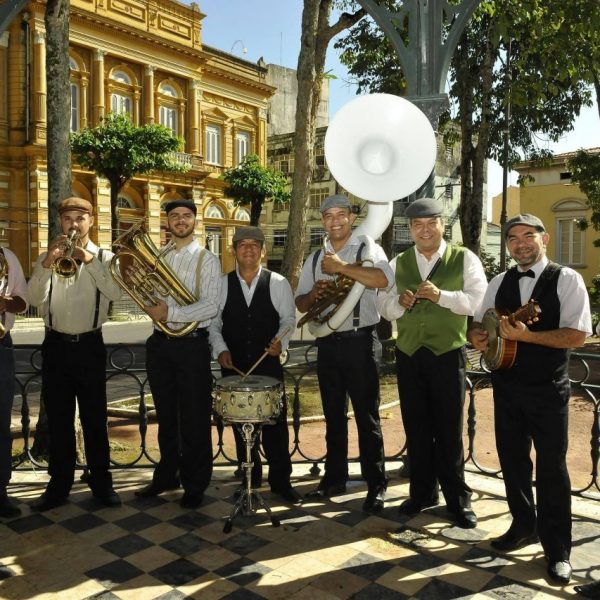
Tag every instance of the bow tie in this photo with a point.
(528, 273)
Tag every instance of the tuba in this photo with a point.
(3, 276)
(379, 148)
(140, 270)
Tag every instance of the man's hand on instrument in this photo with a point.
(318, 290)
(478, 337)
(225, 360)
(332, 264)
(517, 332)
(274, 348)
(56, 248)
(83, 255)
(159, 312)
(428, 291)
(406, 299)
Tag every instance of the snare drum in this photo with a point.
(256, 399)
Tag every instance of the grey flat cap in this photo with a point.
(337, 201)
(524, 219)
(424, 207)
(249, 233)
(183, 203)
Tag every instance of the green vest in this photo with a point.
(428, 324)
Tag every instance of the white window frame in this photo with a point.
(121, 104)
(213, 143)
(242, 145)
(75, 107)
(169, 116)
(574, 254)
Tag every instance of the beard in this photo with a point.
(181, 233)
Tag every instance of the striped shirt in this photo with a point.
(185, 264)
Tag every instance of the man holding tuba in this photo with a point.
(74, 295)
(345, 360)
(13, 300)
(437, 287)
(178, 366)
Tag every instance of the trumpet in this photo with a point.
(65, 265)
(3, 276)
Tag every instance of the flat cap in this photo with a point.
(249, 233)
(180, 203)
(337, 201)
(523, 219)
(424, 207)
(75, 203)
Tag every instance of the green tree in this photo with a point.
(585, 172)
(250, 184)
(58, 108)
(118, 150)
(548, 87)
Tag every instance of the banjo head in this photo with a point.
(496, 345)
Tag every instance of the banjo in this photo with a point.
(501, 353)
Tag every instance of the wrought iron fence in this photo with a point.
(126, 377)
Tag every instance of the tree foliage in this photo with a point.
(118, 150)
(585, 172)
(251, 184)
(549, 83)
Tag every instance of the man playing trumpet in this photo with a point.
(74, 302)
(345, 360)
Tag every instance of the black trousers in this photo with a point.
(346, 366)
(432, 395)
(70, 371)
(538, 414)
(181, 381)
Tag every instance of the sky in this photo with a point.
(271, 29)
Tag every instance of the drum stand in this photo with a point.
(244, 503)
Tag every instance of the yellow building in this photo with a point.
(561, 204)
(137, 57)
(513, 206)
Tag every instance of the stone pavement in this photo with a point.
(152, 548)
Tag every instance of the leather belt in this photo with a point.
(201, 332)
(72, 337)
(351, 333)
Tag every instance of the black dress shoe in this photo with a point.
(410, 506)
(325, 491)
(289, 494)
(589, 590)
(375, 500)
(559, 571)
(465, 518)
(153, 489)
(513, 541)
(44, 502)
(7, 509)
(191, 500)
(5, 572)
(109, 498)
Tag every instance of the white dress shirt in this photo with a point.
(571, 290)
(281, 297)
(368, 308)
(185, 264)
(12, 285)
(73, 302)
(460, 302)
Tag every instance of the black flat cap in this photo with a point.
(337, 201)
(180, 203)
(424, 207)
(249, 233)
(524, 219)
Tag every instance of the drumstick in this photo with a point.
(277, 339)
(238, 371)
(428, 278)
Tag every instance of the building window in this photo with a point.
(214, 235)
(279, 238)
(401, 233)
(120, 105)
(242, 215)
(213, 145)
(74, 107)
(316, 236)
(570, 242)
(317, 195)
(213, 212)
(121, 93)
(242, 145)
(168, 118)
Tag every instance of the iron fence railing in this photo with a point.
(126, 378)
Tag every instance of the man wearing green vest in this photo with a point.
(437, 287)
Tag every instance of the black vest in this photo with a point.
(535, 363)
(248, 330)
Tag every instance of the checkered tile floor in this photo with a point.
(152, 548)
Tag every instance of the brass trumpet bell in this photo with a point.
(65, 266)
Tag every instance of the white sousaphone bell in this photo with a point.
(379, 148)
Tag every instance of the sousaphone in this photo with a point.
(380, 148)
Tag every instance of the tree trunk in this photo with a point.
(58, 108)
(315, 37)
(255, 210)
